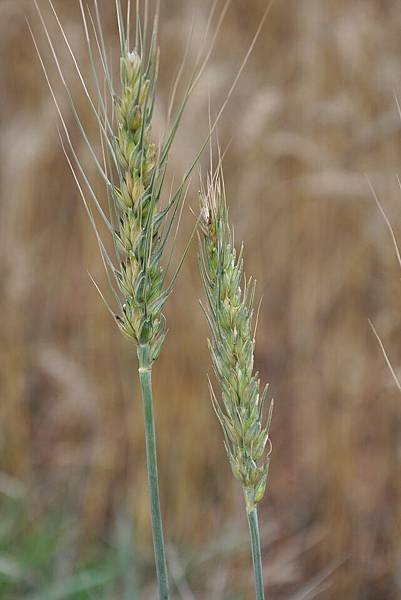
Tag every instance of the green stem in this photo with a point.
(145, 377)
(256, 553)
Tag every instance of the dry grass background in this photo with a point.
(312, 113)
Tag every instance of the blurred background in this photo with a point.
(312, 114)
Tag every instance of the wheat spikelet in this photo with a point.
(139, 237)
(229, 313)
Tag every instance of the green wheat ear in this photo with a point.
(139, 222)
(229, 312)
(136, 197)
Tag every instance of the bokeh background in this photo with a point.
(312, 114)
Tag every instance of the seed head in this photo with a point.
(229, 313)
(138, 237)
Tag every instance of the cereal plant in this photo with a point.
(230, 312)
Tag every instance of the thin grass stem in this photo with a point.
(145, 378)
(256, 552)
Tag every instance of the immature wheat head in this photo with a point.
(229, 312)
(139, 236)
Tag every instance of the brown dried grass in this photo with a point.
(313, 112)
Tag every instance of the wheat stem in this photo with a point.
(256, 552)
(145, 378)
(229, 312)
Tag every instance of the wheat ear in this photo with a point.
(133, 170)
(139, 237)
(229, 312)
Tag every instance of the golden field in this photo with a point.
(312, 115)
